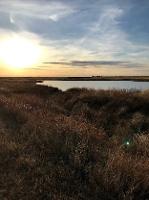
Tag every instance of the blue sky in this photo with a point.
(81, 37)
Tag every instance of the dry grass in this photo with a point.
(79, 144)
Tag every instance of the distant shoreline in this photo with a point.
(141, 79)
(93, 78)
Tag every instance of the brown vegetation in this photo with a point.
(75, 145)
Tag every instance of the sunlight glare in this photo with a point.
(19, 52)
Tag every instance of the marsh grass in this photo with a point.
(79, 144)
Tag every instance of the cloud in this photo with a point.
(12, 19)
(104, 39)
(36, 68)
(97, 63)
(94, 63)
(82, 33)
(48, 10)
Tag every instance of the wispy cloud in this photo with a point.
(12, 19)
(80, 33)
(104, 39)
(47, 10)
(94, 63)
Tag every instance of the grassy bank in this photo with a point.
(75, 145)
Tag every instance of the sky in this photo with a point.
(74, 38)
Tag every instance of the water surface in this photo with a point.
(64, 85)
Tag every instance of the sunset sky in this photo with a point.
(74, 38)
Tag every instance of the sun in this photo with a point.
(19, 52)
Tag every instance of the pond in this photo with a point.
(64, 85)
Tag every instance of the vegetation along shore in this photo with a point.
(79, 144)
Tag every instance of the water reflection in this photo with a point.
(64, 85)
